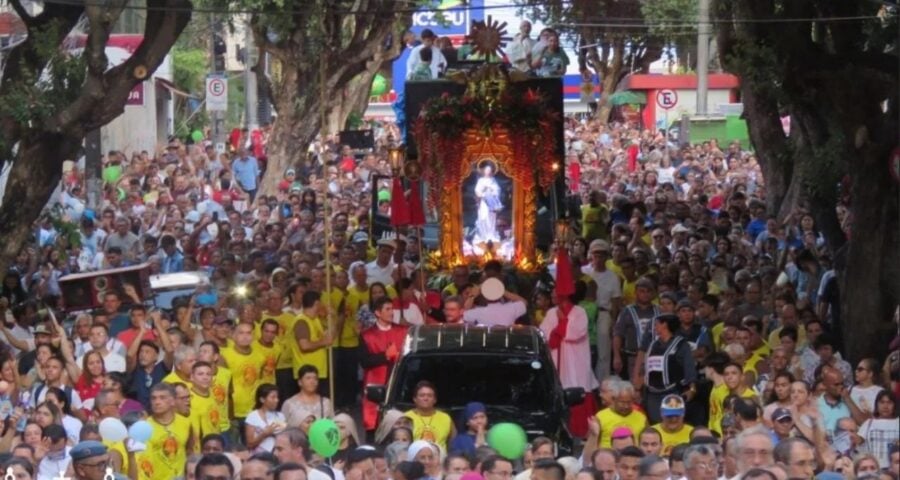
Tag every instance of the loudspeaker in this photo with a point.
(85, 291)
(358, 139)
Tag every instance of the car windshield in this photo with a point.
(521, 382)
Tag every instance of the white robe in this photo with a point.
(486, 222)
(575, 351)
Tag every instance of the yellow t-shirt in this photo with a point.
(285, 336)
(593, 221)
(763, 351)
(436, 428)
(318, 358)
(219, 389)
(717, 335)
(775, 339)
(206, 414)
(166, 452)
(717, 405)
(356, 298)
(269, 360)
(750, 364)
(450, 290)
(246, 371)
(612, 267)
(628, 291)
(611, 420)
(348, 337)
(173, 378)
(670, 440)
(119, 447)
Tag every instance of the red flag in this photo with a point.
(416, 211)
(399, 207)
(565, 282)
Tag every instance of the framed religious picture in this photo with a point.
(487, 197)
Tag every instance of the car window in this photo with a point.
(521, 382)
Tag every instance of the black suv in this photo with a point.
(509, 369)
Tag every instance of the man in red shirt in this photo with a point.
(138, 317)
(380, 349)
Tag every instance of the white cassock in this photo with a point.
(573, 358)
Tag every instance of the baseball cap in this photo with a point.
(360, 237)
(385, 242)
(87, 449)
(672, 406)
(780, 414)
(42, 328)
(680, 228)
(684, 303)
(622, 432)
(599, 246)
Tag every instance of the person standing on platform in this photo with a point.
(379, 350)
(566, 329)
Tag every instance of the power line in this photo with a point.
(609, 22)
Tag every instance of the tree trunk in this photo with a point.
(835, 96)
(33, 177)
(870, 284)
(354, 99)
(287, 145)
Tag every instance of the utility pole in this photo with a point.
(217, 118)
(703, 34)
(250, 97)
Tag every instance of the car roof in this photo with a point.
(465, 338)
(178, 280)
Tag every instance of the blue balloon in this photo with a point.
(140, 431)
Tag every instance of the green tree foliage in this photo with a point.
(189, 69)
(832, 68)
(317, 48)
(55, 88)
(616, 37)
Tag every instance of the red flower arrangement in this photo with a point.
(526, 117)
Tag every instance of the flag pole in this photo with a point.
(326, 206)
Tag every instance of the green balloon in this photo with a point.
(508, 439)
(324, 437)
(379, 85)
(197, 136)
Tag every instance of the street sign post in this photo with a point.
(216, 93)
(666, 99)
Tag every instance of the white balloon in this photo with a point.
(113, 430)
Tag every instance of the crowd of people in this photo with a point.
(705, 333)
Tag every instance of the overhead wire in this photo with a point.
(608, 22)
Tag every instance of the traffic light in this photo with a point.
(219, 51)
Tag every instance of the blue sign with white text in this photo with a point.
(448, 17)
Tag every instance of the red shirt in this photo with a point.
(128, 336)
(348, 164)
(377, 342)
(87, 390)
